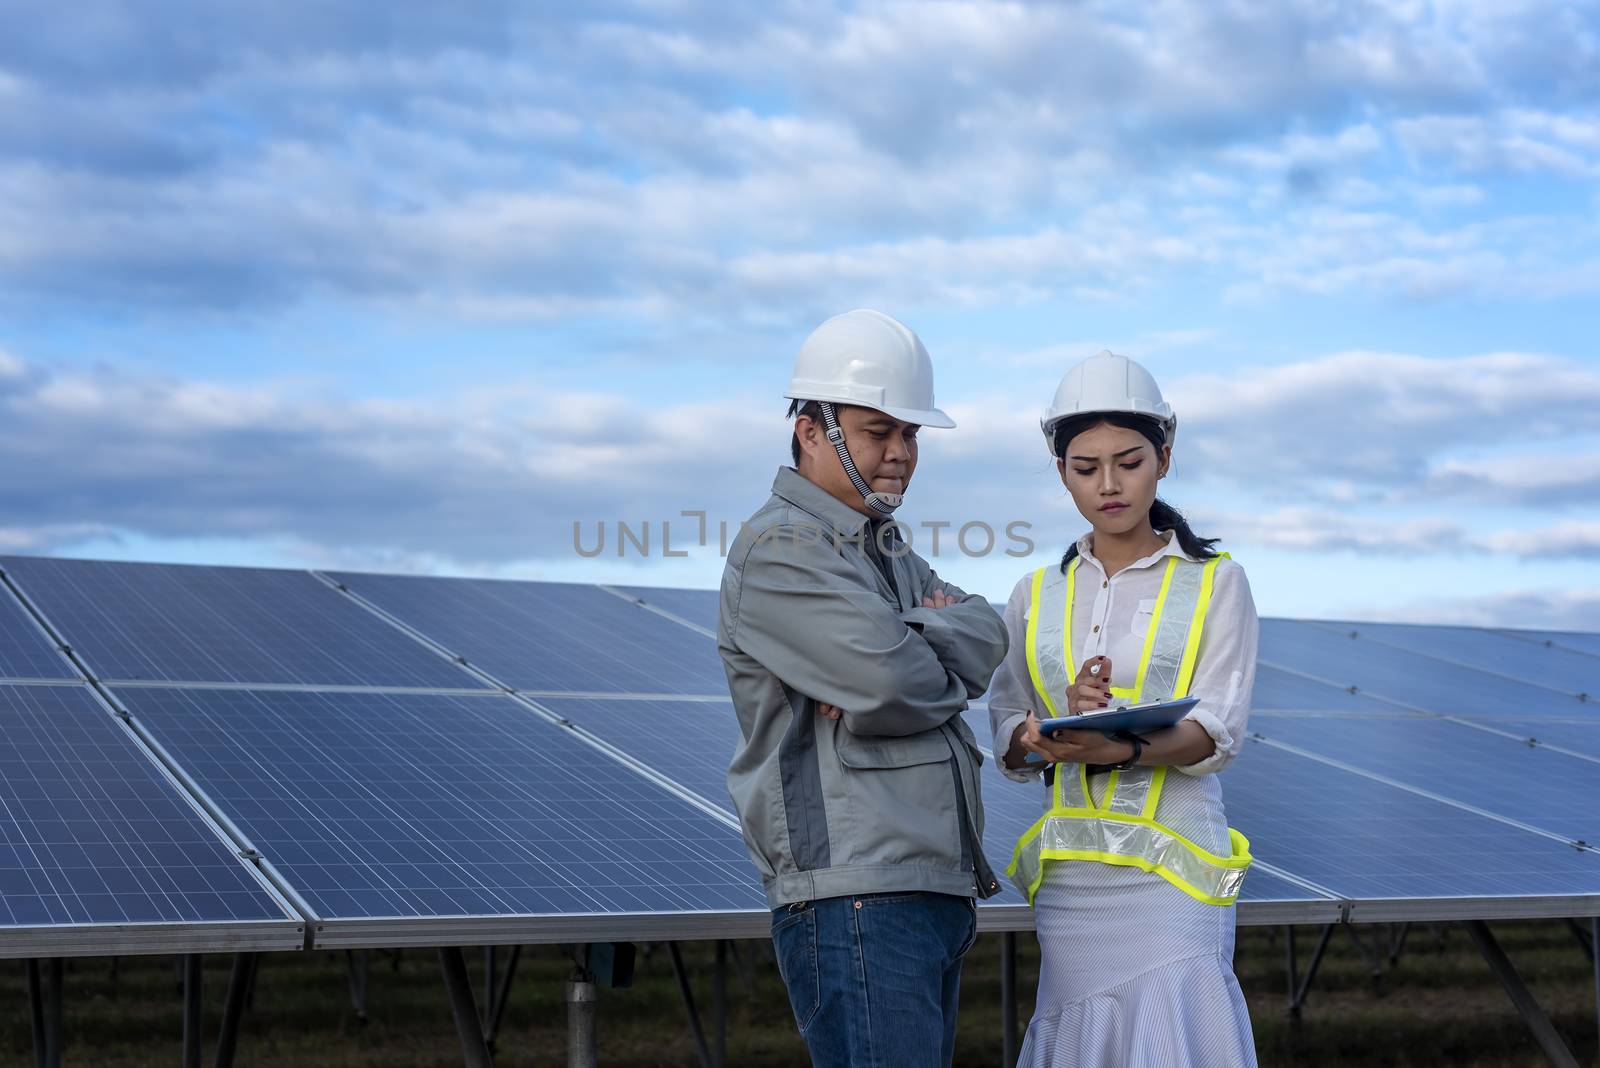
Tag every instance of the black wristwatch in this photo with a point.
(1138, 748)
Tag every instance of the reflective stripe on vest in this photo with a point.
(1122, 828)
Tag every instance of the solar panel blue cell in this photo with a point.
(697, 606)
(1411, 679)
(427, 806)
(92, 832)
(1281, 689)
(547, 636)
(1261, 885)
(1574, 735)
(1579, 641)
(689, 742)
(26, 652)
(224, 624)
(1367, 840)
(1540, 788)
(1533, 664)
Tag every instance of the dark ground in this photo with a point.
(1439, 1005)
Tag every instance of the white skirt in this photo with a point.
(1134, 973)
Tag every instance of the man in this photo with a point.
(849, 662)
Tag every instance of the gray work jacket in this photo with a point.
(887, 798)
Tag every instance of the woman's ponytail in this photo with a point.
(1165, 517)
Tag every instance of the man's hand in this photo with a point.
(937, 599)
(833, 712)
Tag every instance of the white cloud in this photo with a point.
(1577, 539)
(1517, 141)
(1382, 420)
(1529, 609)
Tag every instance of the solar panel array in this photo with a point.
(423, 761)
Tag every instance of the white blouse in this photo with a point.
(1109, 618)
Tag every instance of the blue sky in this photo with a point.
(328, 285)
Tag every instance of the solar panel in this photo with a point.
(693, 742)
(545, 636)
(1578, 641)
(1282, 689)
(224, 624)
(1579, 736)
(1529, 663)
(699, 607)
(1551, 791)
(93, 833)
(26, 652)
(1373, 842)
(690, 742)
(1415, 680)
(415, 807)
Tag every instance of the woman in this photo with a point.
(1132, 870)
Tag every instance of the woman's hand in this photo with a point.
(1064, 747)
(1091, 690)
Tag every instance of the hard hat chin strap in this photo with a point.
(883, 503)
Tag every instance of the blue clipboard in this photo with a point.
(1137, 719)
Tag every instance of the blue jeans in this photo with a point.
(874, 979)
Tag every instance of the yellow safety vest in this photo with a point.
(1124, 827)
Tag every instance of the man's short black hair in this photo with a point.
(811, 410)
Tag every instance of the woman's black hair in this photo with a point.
(1162, 515)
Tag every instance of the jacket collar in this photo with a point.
(806, 495)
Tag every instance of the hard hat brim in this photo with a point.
(929, 417)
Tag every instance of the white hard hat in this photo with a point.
(866, 358)
(1106, 382)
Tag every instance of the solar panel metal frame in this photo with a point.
(168, 936)
(1337, 906)
(86, 663)
(14, 598)
(713, 924)
(508, 929)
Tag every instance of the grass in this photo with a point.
(1439, 1005)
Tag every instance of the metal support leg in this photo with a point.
(1397, 945)
(1008, 999)
(233, 1009)
(1555, 1050)
(191, 1011)
(1374, 961)
(746, 966)
(688, 1003)
(1581, 933)
(250, 983)
(30, 968)
(1292, 967)
(54, 995)
(474, 1051)
(1594, 956)
(719, 1008)
(356, 965)
(488, 985)
(1298, 993)
(580, 1020)
(503, 995)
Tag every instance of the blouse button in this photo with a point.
(1104, 584)
(1097, 628)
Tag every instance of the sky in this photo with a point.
(419, 287)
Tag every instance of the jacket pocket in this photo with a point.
(900, 799)
(856, 752)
